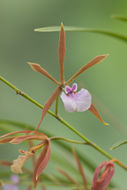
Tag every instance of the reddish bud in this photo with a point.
(106, 176)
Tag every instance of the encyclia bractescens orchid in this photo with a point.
(62, 84)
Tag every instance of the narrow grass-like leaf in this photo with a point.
(81, 29)
(69, 177)
(118, 144)
(80, 170)
(93, 62)
(118, 17)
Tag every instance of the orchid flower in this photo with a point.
(14, 183)
(81, 101)
(76, 101)
(106, 176)
(43, 159)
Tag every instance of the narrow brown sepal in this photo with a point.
(37, 68)
(42, 161)
(61, 53)
(94, 111)
(93, 62)
(48, 104)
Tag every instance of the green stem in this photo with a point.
(18, 91)
(57, 103)
(67, 140)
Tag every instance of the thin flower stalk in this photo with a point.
(57, 102)
(67, 140)
(33, 157)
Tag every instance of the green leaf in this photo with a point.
(118, 144)
(118, 17)
(81, 29)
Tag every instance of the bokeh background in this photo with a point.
(107, 81)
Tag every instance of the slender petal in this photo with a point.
(17, 140)
(37, 68)
(80, 169)
(48, 105)
(42, 161)
(16, 132)
(61, 53)
(34, 135)
(94, 111)
(96, 60)
(74, 87)
(106, 176)
(26, 131)
(69, 90)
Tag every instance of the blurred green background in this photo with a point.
(106, 81)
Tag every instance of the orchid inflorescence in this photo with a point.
(73, 100)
